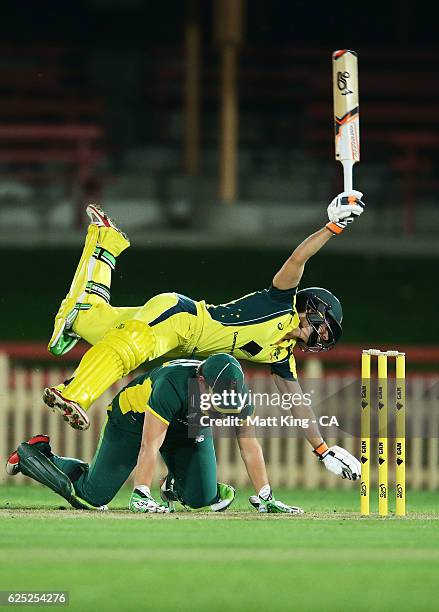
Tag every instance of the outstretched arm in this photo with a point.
(335, 459)
(301, 411)
(342, 211)
(291, 272)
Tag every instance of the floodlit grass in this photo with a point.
(232, 561)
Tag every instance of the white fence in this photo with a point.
(289, 459)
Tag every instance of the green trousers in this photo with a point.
(192, 463)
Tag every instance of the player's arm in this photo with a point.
(154, 432)
(342, 211)
(292, 271)
(335, 459)
(252, 455)
(301, 411)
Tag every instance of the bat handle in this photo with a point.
(348, 165)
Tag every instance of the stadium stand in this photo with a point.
(50, 123)
(55, 128)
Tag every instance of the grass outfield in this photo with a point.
(330, 558)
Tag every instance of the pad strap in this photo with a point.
(98, 289)
(71, 317)
(102, 254)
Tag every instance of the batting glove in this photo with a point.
(142, 501)
(264, 502)
(344, 209)
(339, 461)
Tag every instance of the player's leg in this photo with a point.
(75, 480)
(193, 470)
(40, 441)
(163, 324)
(90, 287)
(114, 460)
(192, 467)
(35, 459)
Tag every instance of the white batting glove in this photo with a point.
(339, 461)
(142, 501)
(344, 209)
(265, 502)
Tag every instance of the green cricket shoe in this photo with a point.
(226, 496)
(169, 495)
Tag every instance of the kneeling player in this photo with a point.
(154, 414)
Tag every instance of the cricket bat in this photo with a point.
(346, 112)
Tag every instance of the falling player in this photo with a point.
(263, 326)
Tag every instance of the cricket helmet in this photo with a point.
(320, 307)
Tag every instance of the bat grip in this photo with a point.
(348, 165)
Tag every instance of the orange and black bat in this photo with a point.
(346, 112)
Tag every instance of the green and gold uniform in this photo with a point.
(190, 459)
(252, 327)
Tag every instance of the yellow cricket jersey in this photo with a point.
(250, 328)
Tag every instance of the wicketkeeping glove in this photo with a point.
(339, 461)
(141, 501)
(344, 209)
(265, 502)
